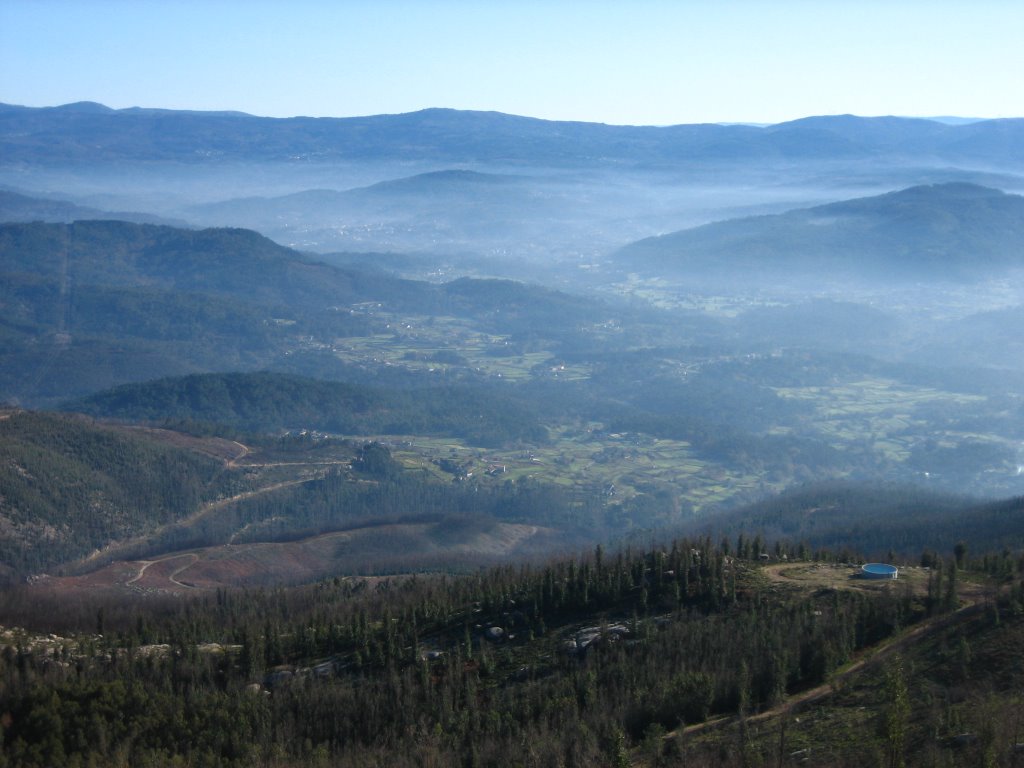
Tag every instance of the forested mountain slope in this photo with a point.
(878, 520)
(70, 485)
(266, 402)
(956, 232)
(79, 496)
(92, 132)
(684, 652)
(96, 303)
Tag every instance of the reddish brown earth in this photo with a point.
(372, 548)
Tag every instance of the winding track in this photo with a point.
(200, 513)
(243, 452)
(112, 549)
(172, 577)
(869, 657)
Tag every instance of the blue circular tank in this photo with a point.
(879, 571)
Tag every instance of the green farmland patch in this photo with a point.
(620, 468)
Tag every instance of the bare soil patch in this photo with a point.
(375, 547)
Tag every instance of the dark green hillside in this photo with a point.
(93, 304)
(243, 265)
(33, 373)
(527, 310)
(227, 262)
(221, 264)
(266, 402)
(879, 520)
(70, 486)
(955, 231)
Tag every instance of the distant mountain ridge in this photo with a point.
(429, 189)
(15, 207)
(409, 213)
(953, 231)
(90, 133)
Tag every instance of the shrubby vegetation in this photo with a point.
(70, 486)
(380, 494)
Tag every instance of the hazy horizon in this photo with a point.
(651, 63)
(949, 119)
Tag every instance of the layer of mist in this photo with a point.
(675, 320)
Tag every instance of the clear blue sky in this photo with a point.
(641, 62)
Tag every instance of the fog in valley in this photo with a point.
(671, 322)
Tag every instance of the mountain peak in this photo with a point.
(28, 136)
(950, 190)
(925, 196)
(85, 107)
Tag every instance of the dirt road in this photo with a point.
(171, 577)
(970, 603)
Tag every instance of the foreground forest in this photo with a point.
(697, 652)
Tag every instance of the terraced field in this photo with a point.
(617, 465)
(439, 344)
(894, 420)
(880, 409)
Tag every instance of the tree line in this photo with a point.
(595, 655)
